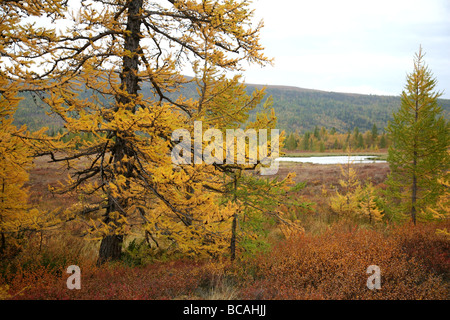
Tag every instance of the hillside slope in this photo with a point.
(303, 109)
(297, 109)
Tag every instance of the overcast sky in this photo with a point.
(352, 45)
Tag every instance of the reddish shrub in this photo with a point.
(334, 266)
(414, 264)
(156, 281)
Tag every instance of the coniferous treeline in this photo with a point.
(298, 110)
(322, 139)
(301, 110)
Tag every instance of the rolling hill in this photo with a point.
(303, 109)
(297, 109)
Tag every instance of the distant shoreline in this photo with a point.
(378, 155)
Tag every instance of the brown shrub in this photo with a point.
(334, 265)
(159, 281)
(414, 263)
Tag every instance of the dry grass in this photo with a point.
(43, 175)
(414, 264)
(46, 174)
(318, 178)
(329, 174)
(324, 263)
(322, 181)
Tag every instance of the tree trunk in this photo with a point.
(414, 196)
(3, 243)
(111, 245)
(110, 249)
(233, 237)
(415, 156)
(234, 223)
(3, 238)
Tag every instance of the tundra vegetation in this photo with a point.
(102, 192)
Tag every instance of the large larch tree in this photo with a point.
(116, 72)
(418, 157)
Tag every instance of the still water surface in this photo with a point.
(332, 159)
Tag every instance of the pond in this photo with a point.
(333, 159)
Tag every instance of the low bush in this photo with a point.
(414, 263)
(334, 266)
(157, 281)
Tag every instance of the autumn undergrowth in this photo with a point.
(414, 263)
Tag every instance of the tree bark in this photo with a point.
(110, 249)
(233, 238)
(415, 156)
(234, 223)
(3, 243)
(111, 245)
(414, 196)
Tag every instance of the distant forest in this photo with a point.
(298, 110)
(302, 110)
